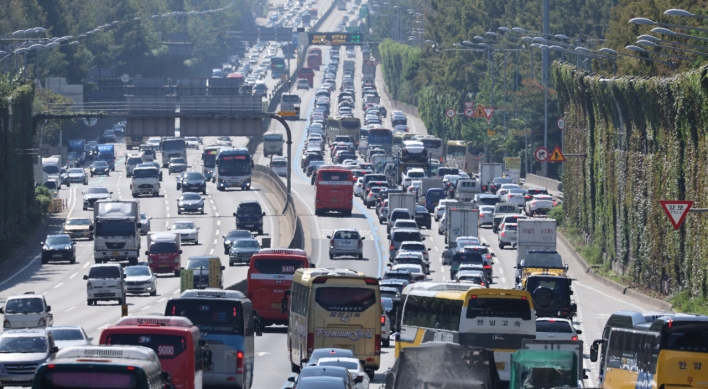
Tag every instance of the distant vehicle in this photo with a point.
(28, 310)
(303, 83)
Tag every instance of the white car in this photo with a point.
(538, 204)
(187, 230)
(415, 187)
(507, 235)
(417, 247)
(192, 142)
(27, 310)
(279, 165)
(140, 279)
(556, 329)
(410, 175)
(486, 216)
(416, 270)
(515, 196)
(439, 211)
(356, 371)
(224, 141)
(67, 336)
(359, 187)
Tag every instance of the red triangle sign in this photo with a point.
(488, 113)
(676, 210)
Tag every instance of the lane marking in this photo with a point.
(146, 307)
(162, 299)
(217, 233)
(73, 275)
(86, 264)
(67, 310)
(211, 251)
(21, 270)
(607, 295)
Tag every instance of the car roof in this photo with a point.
(25, 332)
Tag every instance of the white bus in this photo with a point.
(290, 106)
(467, 314)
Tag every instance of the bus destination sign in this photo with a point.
(335, 38)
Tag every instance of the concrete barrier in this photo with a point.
(554, 187)
(273, 181)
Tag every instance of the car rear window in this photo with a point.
(402, 236)
(510, 227)
(553, 326)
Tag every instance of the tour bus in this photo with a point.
(335, 308)
(468, 314)
(277, 67)
(175, 340)
(172, 148)
(134, 141)
(105, 367)
(334, 190)
(290, 105)
(455, 155)
(209, 161)
(382, 137)
(670, 352)
(273, 144)
(233, 169)
(344, 126)
(433, 145)
(269, 277)
(225, 319)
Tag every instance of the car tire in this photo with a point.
(386, 342)
(360, 256)
(73, 260)
(177, 273)
(179, 212)
(501, 245)
(331, 256)
(89, 302)
(260, 231)
(196, 242)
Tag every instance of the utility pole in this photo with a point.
(546, 31)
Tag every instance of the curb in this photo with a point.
(661, 304)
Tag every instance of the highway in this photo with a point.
(65, 289)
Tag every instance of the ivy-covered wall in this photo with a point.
(646, 140)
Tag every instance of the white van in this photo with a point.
(273, 144)
(466, 189)
(279, 165)
(105, 282)
(27, 310)
(130, 163)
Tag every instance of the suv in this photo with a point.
(346, 241)
(108, 136)
(93, 194)
(27, 310)
(130, 163)
(105, 282)
(395, 214)
(249, 216)
(176, 165)
(22, 352)
(403, 235)
(194, 182)
(466, 256)
(58, 247)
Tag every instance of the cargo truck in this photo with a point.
(145, 181)
(117, 231)
(107, 153)
(460, 220)
(78, 146)
(402, 200)
(349, 65)
(534, 234)
(487, 173)
(164, 252)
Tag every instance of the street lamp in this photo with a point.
(666, 31)
(644, 42)
(652, 38)
(680, 12)
(643, 51)
(613, 52)
(645, 21)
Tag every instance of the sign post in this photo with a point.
(676, 210)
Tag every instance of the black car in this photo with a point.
(249, 216)
(422, 217)
(100, 168)
(233, 236)
(58, 247)
(193, 182)
(305, 161)
(108, 136)
(345, 155)
(465, 256)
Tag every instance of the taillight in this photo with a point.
(481, 215)
(489, 256)
(331, 242)
(487, 267)
(481, 283)
(425, 253)
(509, 196)
(377, 344)
(239, 362)
(361, 244)
(391, 248)
(503, 233)
(533, 203)
(575, 337)
(310, 341)
(383, 319)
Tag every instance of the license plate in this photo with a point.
(334, 200)
(345, 346)
(56, 255)
(276, 305)
(21, 378)
(501, 365)
(115, 253)
(250, 225)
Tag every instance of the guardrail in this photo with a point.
(163, 106)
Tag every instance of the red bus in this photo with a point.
(308, 74)
(334, 190)
(174, 339)
(269, 277)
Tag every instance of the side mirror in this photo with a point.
(234, 214)
(85, 276)
(312, 265)
(423, 238)
(54, 349)
(363, 237)
(147, 252)
(578, 332)
(329, 237)
(2, 310)
(110, 192)
(594, 350)
(263, 214)
(165, 376)
(41, 243)
(291, 379)
(180, 251)
(447, 247)
(305, 360)
(202, 343)
(565, 267)
(223, 267)
(49, 308)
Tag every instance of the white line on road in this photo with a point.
(86, 264)
(607, 295)
(162, 299)
(218, 222)
(501, 270)
(211, 251)
(176, 291)
(146, 307)
(70, 308)
(217, 233)
(216, 241)
(73, 275)
(216, 213)
(21, 270)
(58, 285)
(168, 215)
(436, 248)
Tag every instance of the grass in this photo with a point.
(682, 302)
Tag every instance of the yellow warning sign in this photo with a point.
(556, 155)
(479, 113)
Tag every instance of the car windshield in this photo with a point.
(246, 243)
(24, 305)
(60, 239)
(183, 226)
(67, 334)
(345, 364)
(104, 272)
(191, 196)
(78, 222)
(136, 271)
(76, 170)
(346, 235)
(23, 344)
(553, 326)
(466, 242)
(248, 209)
(194, 176)
(178, 160)
(238, 234)
(100, 164)
(198, 263)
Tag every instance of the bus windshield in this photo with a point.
(115, 228)
(165, 346)
(350, 123)
(340, 176)
(234, 165)
(455, 151)
(145, 173)
(345, 299)
(686, 336)
(432, 143)
(496, 307)
(210, 157)
(380, 136)
(99, 377)
(277, 265)
(212, 316)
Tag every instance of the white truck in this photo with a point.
(429, 183)
(349, 65)
(368, 72)
(145, 181)
(402, 200)
(487, 173)
(535, 234)
(117, 236)
(466, 189)
(460, 220)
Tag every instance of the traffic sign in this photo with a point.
(479, 113)
(676, 210)
(488, 114)
(556, 155)
(491, 133)
(469, 104)
(560, 123)
(469, 112)
(450, 113)
(287, 113)
(541, 154)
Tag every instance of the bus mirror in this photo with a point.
(291, 379)
(305, 360)
(565, 267)
(312, 265)
(234, 214)
(594, 349)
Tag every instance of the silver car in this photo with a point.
(346, 242)
(67, 336)
(144, 223)
(486, 216)
(242, 250)
(507, 235)
(140, 279)
(22, 352)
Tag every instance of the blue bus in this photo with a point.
(277, 67)
(233, 169)
(226, 321)
(382, 137)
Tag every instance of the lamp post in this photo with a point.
(644, 42)
(645, 21)
(615, 53)
(666, 31)
(643, 51)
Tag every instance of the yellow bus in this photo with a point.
(671, 353)
(343, 126)
(464, 155)
(467, 314)
(334, 308)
